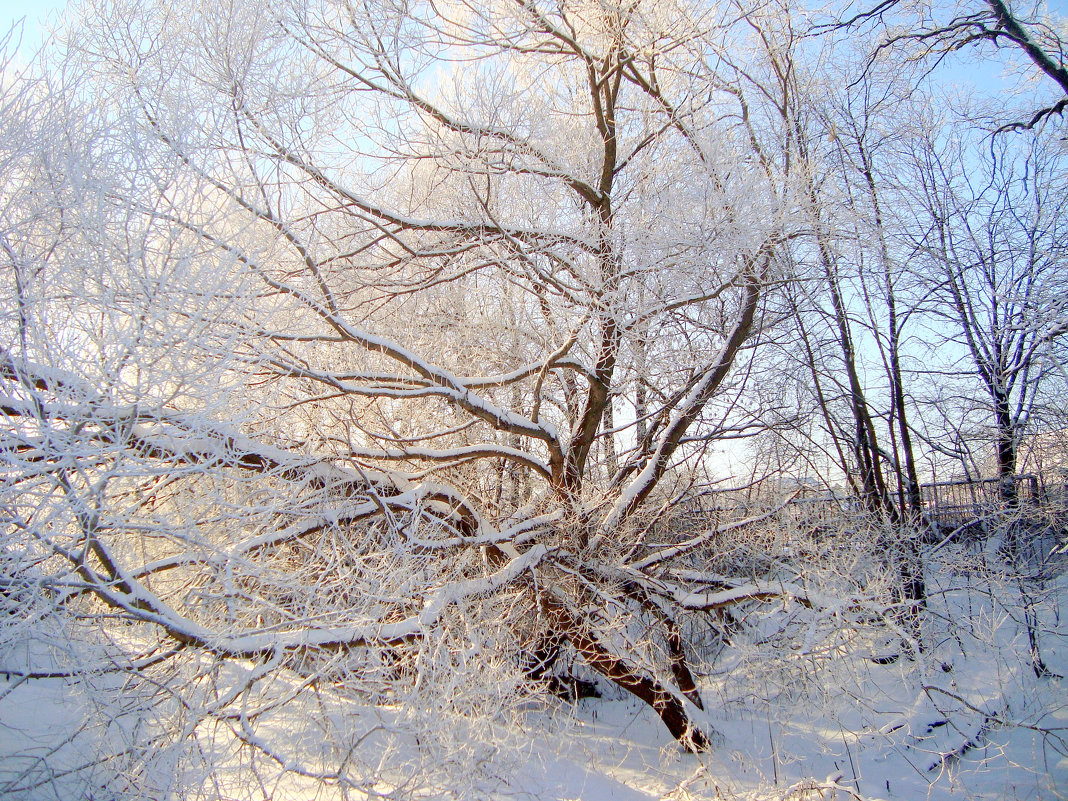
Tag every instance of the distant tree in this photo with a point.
(991, 241)
(850, 312)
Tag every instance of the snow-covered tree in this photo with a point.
(382, 343)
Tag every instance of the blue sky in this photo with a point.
(986, 77)
(36, 13)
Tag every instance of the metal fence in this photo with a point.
(955, 503)
(945, 503)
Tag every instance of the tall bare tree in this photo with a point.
(993, 234)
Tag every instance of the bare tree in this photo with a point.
(935, 33)
(994, 234)
(844, 346)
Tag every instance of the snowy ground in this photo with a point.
(968, 719)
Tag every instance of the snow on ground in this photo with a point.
(967, 719)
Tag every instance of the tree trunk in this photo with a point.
(665, 703)
(1006, 445)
